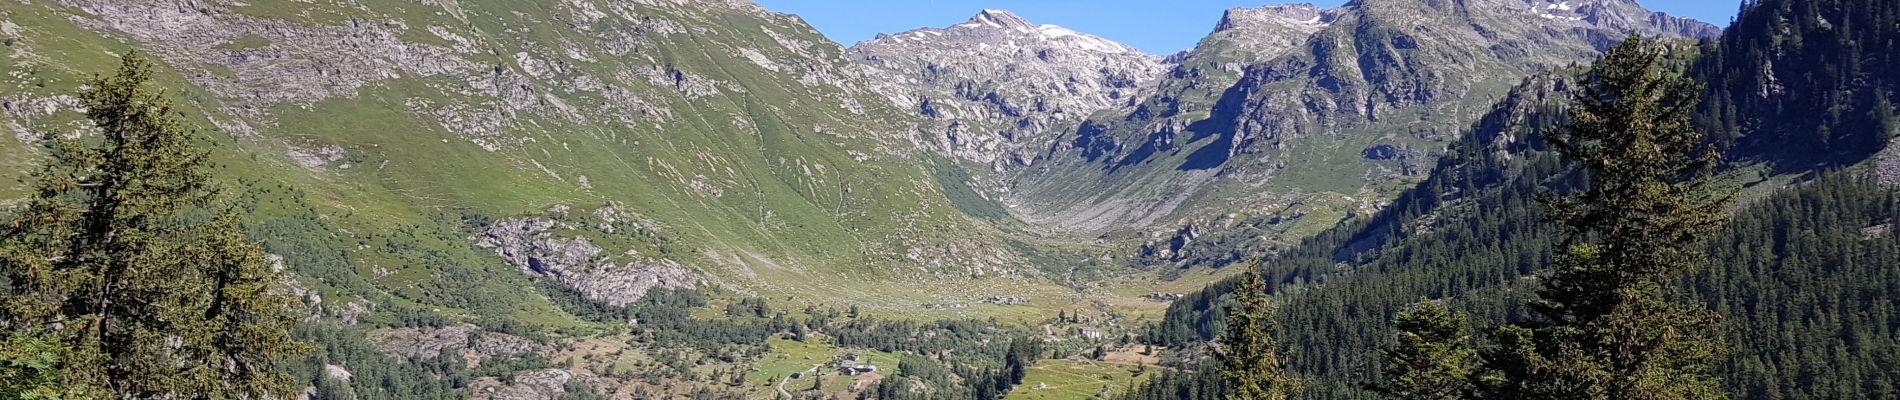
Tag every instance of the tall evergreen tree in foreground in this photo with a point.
(1249, 355)
(1432, 358)
(127, 264)
(1615, 327)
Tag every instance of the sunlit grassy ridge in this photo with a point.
(770, 183)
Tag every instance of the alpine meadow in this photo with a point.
(714, 199)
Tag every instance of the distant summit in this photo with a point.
(999, 19)
(1003, 81)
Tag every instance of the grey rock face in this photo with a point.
(1248, 35)
(1400, 54)
(314, 159)
(527, 244)
(1618, 15)
(546, 384)
(354, 310)
(310, 301)
(1887, 165)
(1507, 127)
(1006, 300)
(1002, 81)
(1227, 121)
(23, 110)
(337, 372)
(299, 63)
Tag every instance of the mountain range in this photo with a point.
(761, 157)
(512, 179)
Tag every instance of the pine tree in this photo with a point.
(1249, 354)
(126, 259)
(1885, 123)
(1432, 357)
(1613, 327)
(1022, 352)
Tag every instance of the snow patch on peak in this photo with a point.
(1053, 31)
(999, 19)
(1000, 30)
(1082, 41)
(985, 20)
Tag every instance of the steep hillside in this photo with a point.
(1333, 126)
(610, 146)
(1818, 76)
(1808, 239)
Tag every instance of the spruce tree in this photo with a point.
(1431, 357)
(1885, 123)
(126, 259)
(1613, 326)
(1022, 352)
(1249, 354)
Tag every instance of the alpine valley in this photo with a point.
(634, 199)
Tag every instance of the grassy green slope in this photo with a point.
(783, 178)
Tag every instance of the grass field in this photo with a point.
(790, 356)
(1067, 379)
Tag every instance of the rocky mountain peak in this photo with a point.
(1614, 15)
(998, 19)
(1246, 35)
(999, 81)
(1270, 81)
(993, 30)
(1279, 14)
(1623, 15)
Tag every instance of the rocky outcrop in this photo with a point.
(1886, 168)
(309, 301)
(1007, 300)
(551, 384)
(1384, 152)
(337, 372)
(1511, 124)
(24, 110)
(1162, 297)
(530, 245)
(315, 159)
(466, 341)
(546, 384)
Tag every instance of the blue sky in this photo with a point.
(1159, 27)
